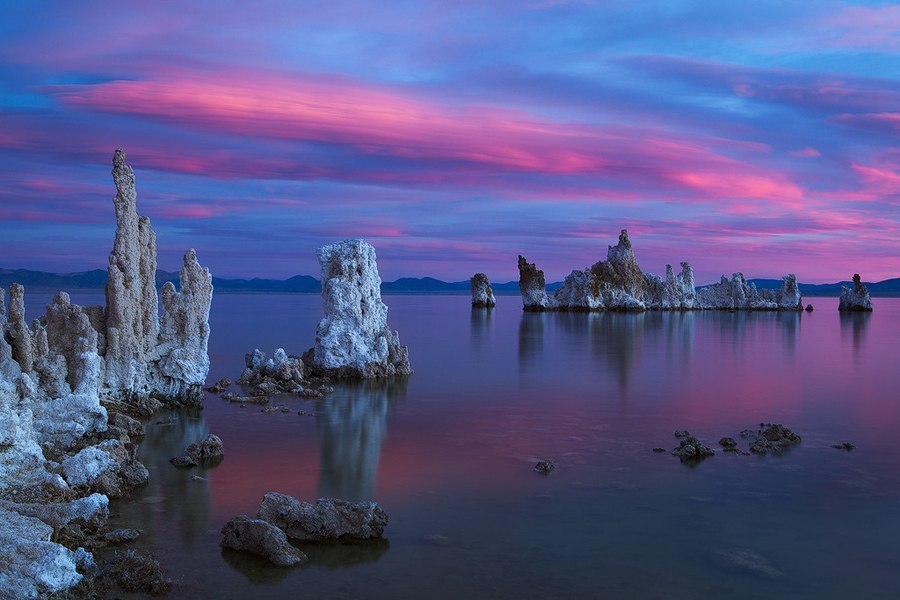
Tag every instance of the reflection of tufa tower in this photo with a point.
(352, 424)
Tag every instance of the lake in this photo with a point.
(449, 453)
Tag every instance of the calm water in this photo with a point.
(449, 455)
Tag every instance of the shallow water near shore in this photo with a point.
(449, 453)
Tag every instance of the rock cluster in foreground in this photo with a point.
(54, 373)
(281, 517)
(857, 299)
(619, 284)
(482, 294)
(353, 339)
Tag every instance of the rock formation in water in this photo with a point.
(54, 373)
(737, 294)
(263, 539)
(619, 284)
(690, 448)
(532, 286)
(856, 299)
(353, 339)
(327, 519)
(482, 294)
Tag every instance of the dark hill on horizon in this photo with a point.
(96, 280)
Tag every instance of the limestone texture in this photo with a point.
(327, 519)
(857, 299)
(279, 374)
(57, 442)
(353, 339)
(619, 284)
(261, 538)
(482, 294)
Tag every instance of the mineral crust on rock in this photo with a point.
(54, 373)
(856, 299)
(281, 373)
(353, 339)
(482, 294)
(619, 284)
(327, 519)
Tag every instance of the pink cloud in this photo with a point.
(864, 27)
(884, 122)
(439, 143)
(806, 153)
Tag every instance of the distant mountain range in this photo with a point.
(96, 280)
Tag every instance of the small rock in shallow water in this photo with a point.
(210, 451)
(774, 438)
(121, 536)
(659, 449)
(845, 446)
(544, 466)
(690, 448)
(261, 538)
(219, 386)
(747, 560)
(727, 442)
(809, 308)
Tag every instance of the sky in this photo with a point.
(761, 137)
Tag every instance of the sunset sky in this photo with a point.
(756, 136)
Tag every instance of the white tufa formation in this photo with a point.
(619, 284)
(482, 294)
(857, 299)
(54, 373)
(353, 339)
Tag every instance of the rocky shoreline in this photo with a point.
(70, 385)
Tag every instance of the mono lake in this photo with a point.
(448, 453)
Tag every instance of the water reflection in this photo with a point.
(172, 494)
(616, 340)
(855, 325)
(480, 326)
(531, 338)
(352, 424)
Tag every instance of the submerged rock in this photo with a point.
(261, 538)
(747, 560)
(482, 294)
(856, 299)
(219, 386)
(134, 572)
(353, 339)
(327, 519)
(544, 466)
(844, 446)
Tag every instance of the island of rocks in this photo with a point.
(619, 284)
(62, 454)
(353, 340)
(857, 299)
